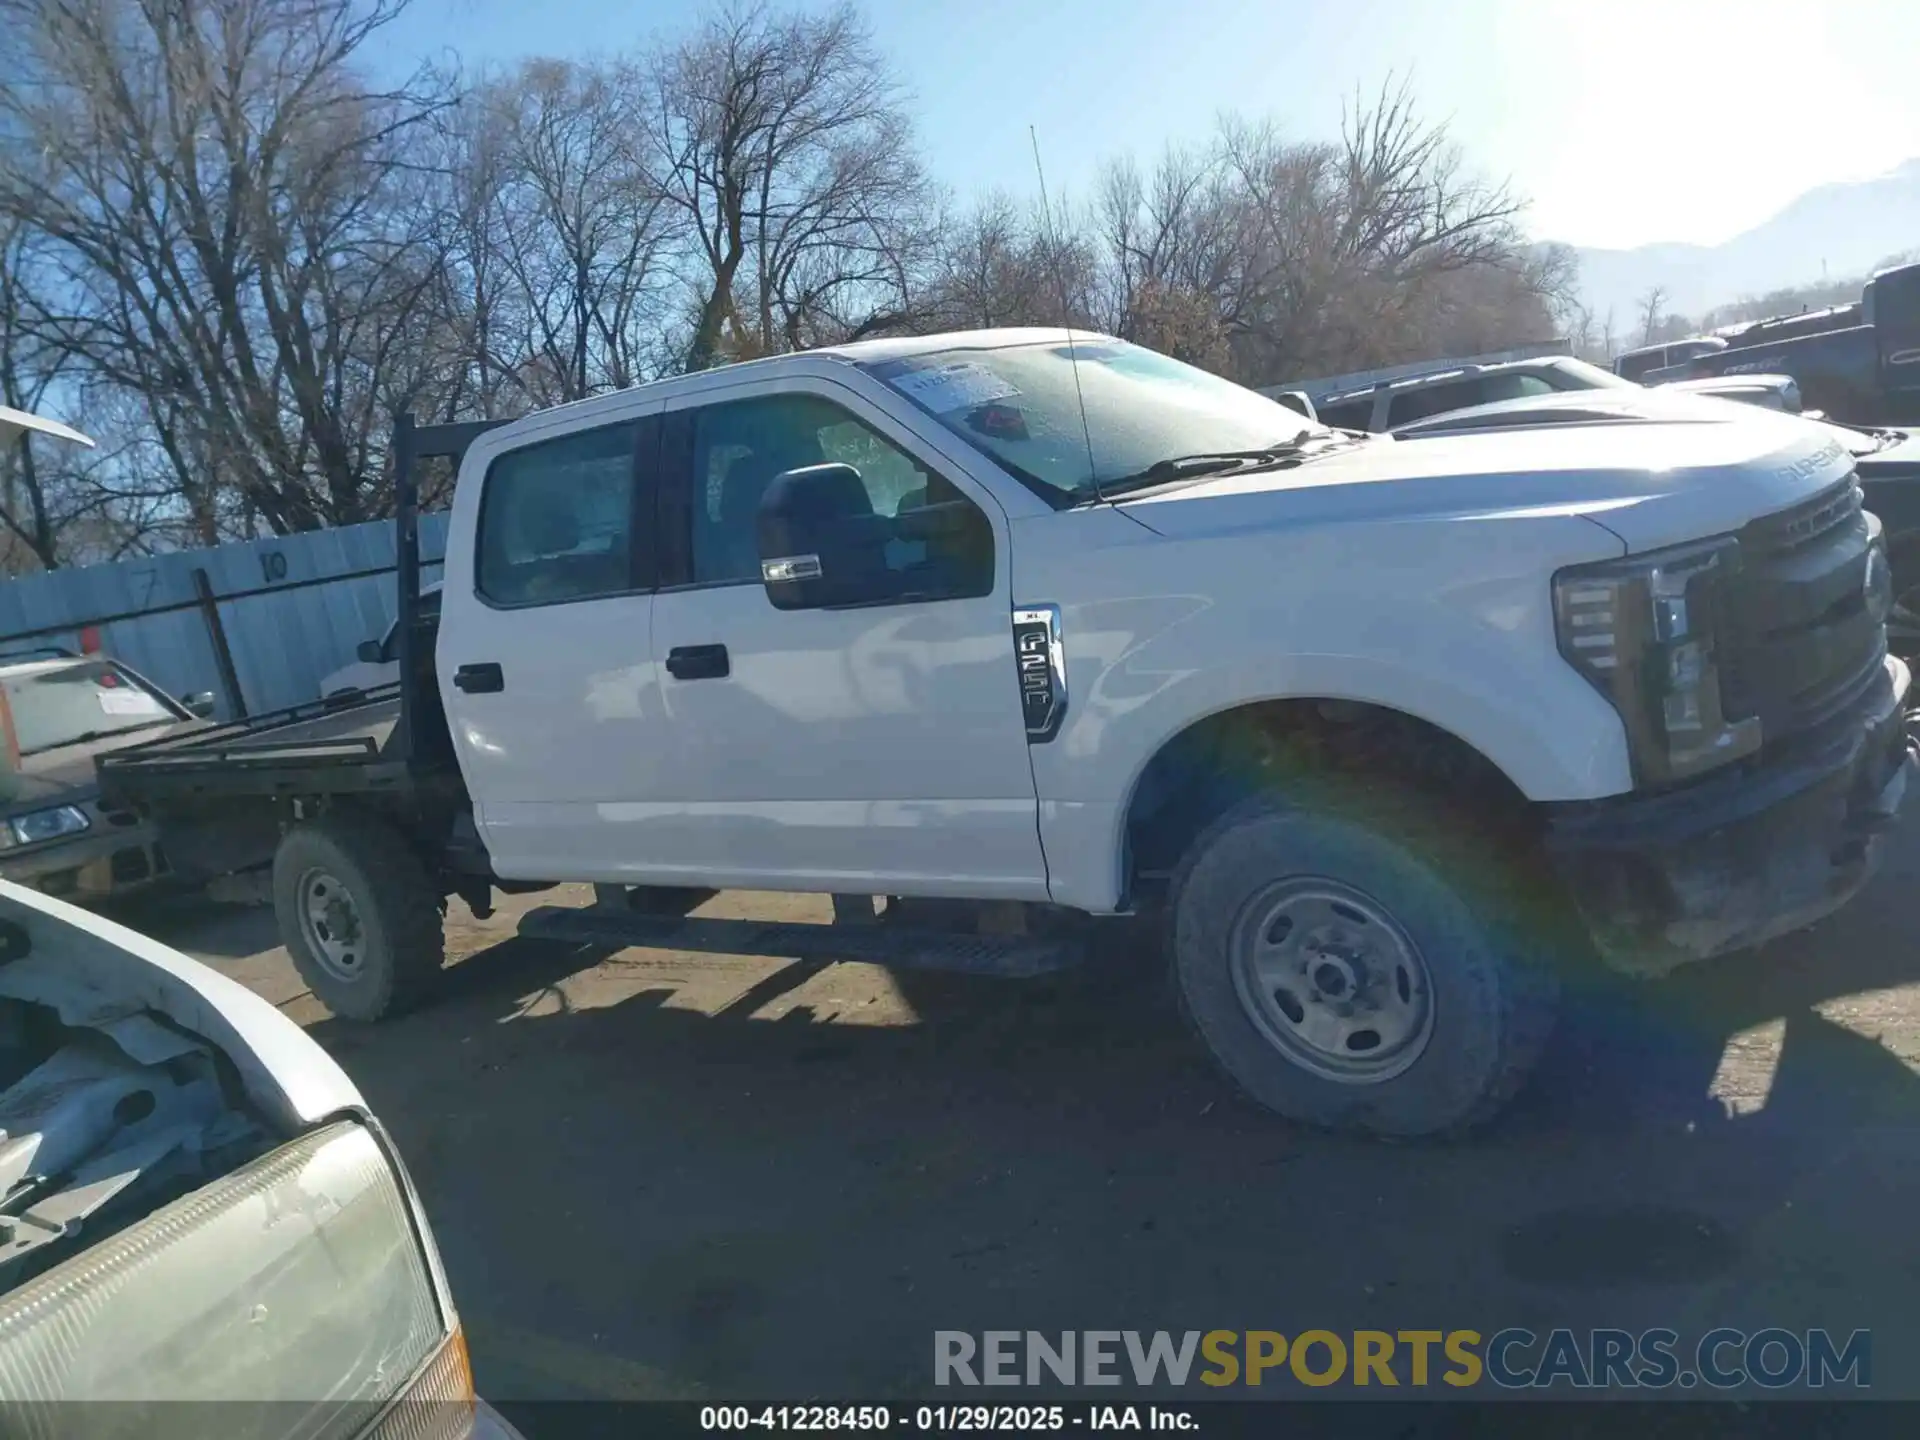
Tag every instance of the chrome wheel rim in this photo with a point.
(330, 923)
(1331, 981)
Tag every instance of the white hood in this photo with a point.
(1650, 484)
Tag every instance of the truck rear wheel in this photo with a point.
(1345, 977)
(359, 914)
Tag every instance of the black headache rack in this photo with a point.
(387, 741)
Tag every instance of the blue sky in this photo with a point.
(1609, 116)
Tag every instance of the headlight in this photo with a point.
(38, 825)
(1642, 631)
(299, 1283)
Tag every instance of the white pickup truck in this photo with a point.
(1049, 626)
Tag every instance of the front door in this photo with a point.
(872, 750)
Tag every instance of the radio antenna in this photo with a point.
(1066, 309)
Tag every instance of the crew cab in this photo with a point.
(1012, 629)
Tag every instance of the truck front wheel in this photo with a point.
(359, 914)
(1344, 973)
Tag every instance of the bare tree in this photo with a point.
(61, 503)
(575, 225)
(1651, 306)
(1319, 255)
(244, 256)
(230, 207)
(784, 145)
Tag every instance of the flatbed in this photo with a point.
(312, 749)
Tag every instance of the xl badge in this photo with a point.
(1042, 661)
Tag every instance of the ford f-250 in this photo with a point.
(1047, 623)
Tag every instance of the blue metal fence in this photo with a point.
(290, 610)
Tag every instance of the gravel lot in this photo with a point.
(666, 1175)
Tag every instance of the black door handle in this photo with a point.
(698, 662)
(485, 678)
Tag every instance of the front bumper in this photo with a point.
(104, 861)
(1736, 859)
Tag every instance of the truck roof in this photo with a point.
(859, 352)
(869, 352)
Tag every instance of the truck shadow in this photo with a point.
(640, 1191)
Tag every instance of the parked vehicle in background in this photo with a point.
(1769, 392)
(204, 1220)
(1022, 625)
(1637, 364)
(1855, 363)
(1886, 460)
(1395, 402)
(58, 713)
(1391, 404)
(378, 661)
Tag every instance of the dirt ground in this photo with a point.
(668, 1175)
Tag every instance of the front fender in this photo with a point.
(1444, 625)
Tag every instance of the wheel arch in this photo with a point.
(1216, 759)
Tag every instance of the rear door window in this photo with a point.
(557, 521)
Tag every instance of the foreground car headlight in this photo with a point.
(1642, 630)
(299, 1283)
(38, 825)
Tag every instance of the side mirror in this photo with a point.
(369, 652)
(820, 542)
(200, 704)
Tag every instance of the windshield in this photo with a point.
(64, 704)
(1022, 406)
(1591, 377)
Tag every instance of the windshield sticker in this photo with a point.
(962, 385)
(123, 702)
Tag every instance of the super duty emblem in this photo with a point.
(1042, 662)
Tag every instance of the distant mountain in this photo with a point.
(1847, 227)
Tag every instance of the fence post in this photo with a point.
(217, 633)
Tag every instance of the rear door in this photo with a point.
(881, 749)
(544, 659)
